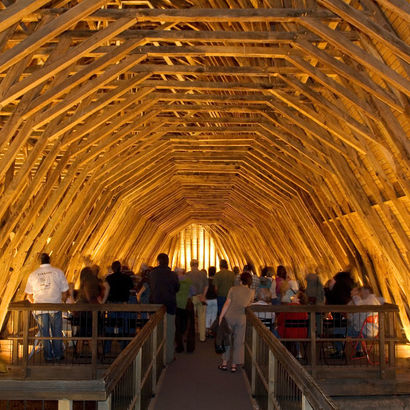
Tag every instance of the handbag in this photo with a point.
(219, 348)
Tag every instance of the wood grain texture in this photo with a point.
(275, 135)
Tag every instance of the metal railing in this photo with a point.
(125, 379)
(277, 379)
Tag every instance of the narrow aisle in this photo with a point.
(193, 382)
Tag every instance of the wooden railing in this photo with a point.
(277, 379)
(324, 336)
(128, 381)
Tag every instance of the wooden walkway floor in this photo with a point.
(193, 382)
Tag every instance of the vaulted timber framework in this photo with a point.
(278, 127)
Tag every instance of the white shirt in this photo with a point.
(370, 329)
(46, 284)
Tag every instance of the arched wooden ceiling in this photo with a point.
(280, 125)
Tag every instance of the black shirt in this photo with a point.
(120, 286)
(164, 285)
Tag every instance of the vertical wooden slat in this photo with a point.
(254, 356)
(26, 321)
(154, 359)
(382, 339)
(272, 381)
(94, 344)
(313, 350)
(137, 378)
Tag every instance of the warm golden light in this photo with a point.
(196, 242)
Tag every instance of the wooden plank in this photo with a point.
(50, 30)
(43, 74)
(400, 7)
(350, 73)
(206, 15)
(358, 54)
(16, 11)
(368, 26)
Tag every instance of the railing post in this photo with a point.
(26, 321)
(164, 338)
(16, 330)
(253, 368)
(65, 404)
(154, 359)
(382, 337)
(272, 381)
(313, 350)
(137, 376)
(392, 349)
(105, 405)
(94, 344)
(305, 404)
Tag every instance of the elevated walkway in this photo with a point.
(134, 377)
(193, 381)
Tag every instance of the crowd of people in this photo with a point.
(196, 301)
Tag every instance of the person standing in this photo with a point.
(48, 284)
(211, 301)
(164, 286)
(238, 298)
(185, 316)
(200, 287)
(223, 281)
(119, 323)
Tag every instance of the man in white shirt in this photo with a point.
(48, 284)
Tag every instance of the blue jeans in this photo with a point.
(121, 324)
(339, 332)
(53, 349)
(354, 333)
(221, 301)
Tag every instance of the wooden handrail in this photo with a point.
(387, 307)
(305, 382)
(82, 307)
(114, 373)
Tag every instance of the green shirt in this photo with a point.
(223, 281)
(183, 293)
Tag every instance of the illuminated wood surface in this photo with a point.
(244, 131)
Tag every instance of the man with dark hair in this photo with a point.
(164, 285)
(223, 281)
(119, 323)
(48, 284)
(120, 285)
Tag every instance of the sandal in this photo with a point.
(234, 369)
(223, 367)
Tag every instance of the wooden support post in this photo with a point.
(137, 376)
(154, 336)
(253, 369)
(164, 338)
(392, 347)
(272, 381)
(26, 321)
(382, 337)
(313, 350)
(105, 405)
(65, 404)
(14, 352)
(305, 404)
(94, 344)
